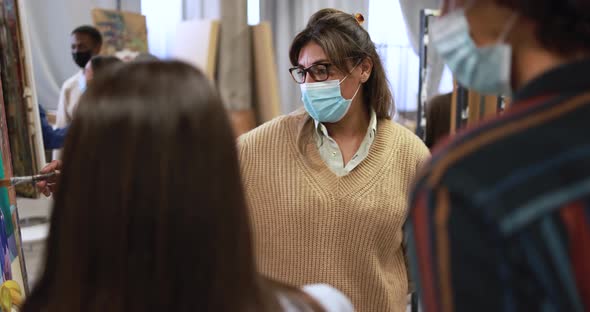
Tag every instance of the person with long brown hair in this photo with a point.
(149, 213)
(99, 63)
(328, 187)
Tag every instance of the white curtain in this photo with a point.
(50, 26)
(287, 18)
(411, 10)
(162, 18)
(199, 9)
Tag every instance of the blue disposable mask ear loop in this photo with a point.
(357, 89)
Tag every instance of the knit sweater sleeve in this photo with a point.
(243, 155)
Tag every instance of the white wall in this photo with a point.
(162, 20)
(50, 25)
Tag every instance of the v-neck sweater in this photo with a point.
(311, 226)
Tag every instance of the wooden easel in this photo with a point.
(479, 107)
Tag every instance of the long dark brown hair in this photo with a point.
(343, 39)
(150, 214)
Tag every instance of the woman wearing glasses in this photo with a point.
(328, 187)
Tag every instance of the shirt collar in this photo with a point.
(571, 77)
(322, 131)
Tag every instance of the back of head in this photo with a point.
(343, 40)
(101, 63)
(145, 57)
(150, 214)
(562, 27)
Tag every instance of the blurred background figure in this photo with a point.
(438, 119)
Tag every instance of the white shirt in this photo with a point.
(332, 155)
(68, 99)
(69, 96)
(328, 297)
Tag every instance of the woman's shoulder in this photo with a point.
(405, 138)
(274, 129)
(331, 299)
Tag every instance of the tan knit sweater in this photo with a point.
(311, 226)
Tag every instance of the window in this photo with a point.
(388, 30)
(253, 12)
(162, 18)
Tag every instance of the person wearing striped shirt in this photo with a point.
(500, 217)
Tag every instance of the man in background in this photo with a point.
(86, 43)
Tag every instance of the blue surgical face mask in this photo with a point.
(323, 101)
(486, 69)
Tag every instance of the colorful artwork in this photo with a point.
(121, 31)
(25, 157)
(13, 128)
(12, 267)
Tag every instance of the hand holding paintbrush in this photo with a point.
(28, 179)
(48, 186)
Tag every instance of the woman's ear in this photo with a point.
(366, 69)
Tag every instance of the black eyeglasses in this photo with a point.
(319, 72)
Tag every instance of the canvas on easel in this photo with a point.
(13, 275)
(267, 100)
(121, 31)
(196, 43)
(21, 111)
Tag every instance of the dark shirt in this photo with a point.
(52, 138)
(500, 219)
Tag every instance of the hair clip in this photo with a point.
(359, 18)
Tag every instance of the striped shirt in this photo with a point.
(500, 218)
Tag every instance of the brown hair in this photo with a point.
(100, 63)
(150, 213)
(438, 120)
(342, 38)
(562, 27)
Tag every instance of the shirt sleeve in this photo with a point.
(61, 115)
(52, 138)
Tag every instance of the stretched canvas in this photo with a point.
(12, 266)
(22, 117)
(196, 43)
(267, 99)
(121, 31)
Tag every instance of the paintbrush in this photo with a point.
(30, 179)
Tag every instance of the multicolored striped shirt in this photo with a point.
(500, 219)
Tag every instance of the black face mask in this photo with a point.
(82, 58)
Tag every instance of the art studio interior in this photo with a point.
(295, 155)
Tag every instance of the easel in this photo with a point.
(425, 16)
(474, 107)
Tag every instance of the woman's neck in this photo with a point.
(355, 123)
